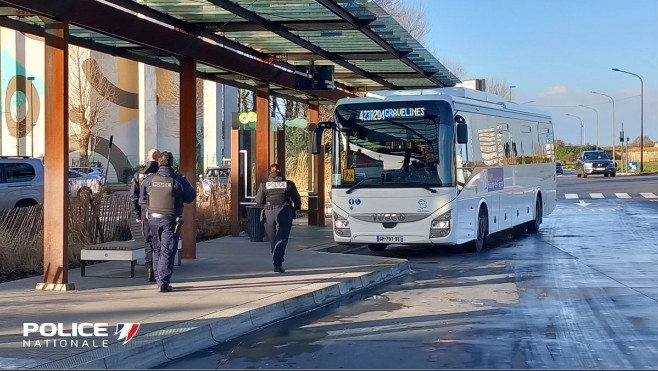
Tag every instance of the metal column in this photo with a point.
(56, 158)
(262, 133)
(188, 150)
(317, 217)
(235, 182)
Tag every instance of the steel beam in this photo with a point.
(56, 157)
(187, 124)
(355, 22)
(364, 56)
(282, 31)
(106, 19)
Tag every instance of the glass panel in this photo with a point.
(19, 172)
(401, 144)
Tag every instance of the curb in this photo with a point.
(158, 347)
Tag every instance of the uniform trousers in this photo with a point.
(165, 244)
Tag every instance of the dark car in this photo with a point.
(595, 162)
(558, 168)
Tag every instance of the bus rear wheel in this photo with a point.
(533, 225)
(377, 247)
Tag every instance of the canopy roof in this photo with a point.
(246, 42)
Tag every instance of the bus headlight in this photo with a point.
(440, 226)
(342, 226)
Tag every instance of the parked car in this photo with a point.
(559, 169)
(595, 162)
(21, 182)
(80, 182)
(218, 177)
(92, 170)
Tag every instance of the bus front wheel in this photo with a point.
(377, 247)
(482, 231)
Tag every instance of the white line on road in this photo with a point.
(596, 195)
(571, 196)
(622, 195)
(648, 195)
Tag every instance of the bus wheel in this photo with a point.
(533, 226)
(480, 241)
(377, 247)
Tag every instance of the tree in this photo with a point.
(90, 94)
(498, 87)
(647, 142)
(412, 19)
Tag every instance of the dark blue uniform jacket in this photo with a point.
(152, 167)
(183, 190)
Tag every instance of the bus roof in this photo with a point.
(453, 95)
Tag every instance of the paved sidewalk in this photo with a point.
(228, 291)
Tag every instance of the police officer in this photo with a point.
(140, 209)
(282, 201)
(164, 193)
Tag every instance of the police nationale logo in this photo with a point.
(126, 331)
(75, 335)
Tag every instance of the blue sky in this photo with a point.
(555, 52)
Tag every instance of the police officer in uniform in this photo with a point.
(140, 209)
(282, 201)
(164, 193)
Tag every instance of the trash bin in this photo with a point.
(255, 227)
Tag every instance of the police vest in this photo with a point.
(161, 198)
(277, 192)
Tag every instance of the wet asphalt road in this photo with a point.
(580, 294)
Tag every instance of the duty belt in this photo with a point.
(272, 207)
(151, 215)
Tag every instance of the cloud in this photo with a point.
(554, 90)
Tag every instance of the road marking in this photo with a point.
(648, 195)
(571, 196)
(622, 195)
(596, 195)
(582, 203)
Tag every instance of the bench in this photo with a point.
(120, 250)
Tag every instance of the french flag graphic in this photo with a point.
(126, 331)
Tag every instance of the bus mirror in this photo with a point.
(316, 140)
(462, 133)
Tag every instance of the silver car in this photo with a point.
(595, 162)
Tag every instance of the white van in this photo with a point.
(21, 182)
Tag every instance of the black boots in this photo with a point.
(151, 275)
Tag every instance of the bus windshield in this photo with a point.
(399, 145)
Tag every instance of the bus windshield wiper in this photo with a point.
(354, 187)
(428, 188)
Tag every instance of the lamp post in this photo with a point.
(614, 155)
(597, 123)
(510, 91)
(31, 106)
(581, 129)
(641, 115)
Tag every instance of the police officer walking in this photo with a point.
(164, 193)
(140, 209)
(282, 201)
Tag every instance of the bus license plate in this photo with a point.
(398, 239)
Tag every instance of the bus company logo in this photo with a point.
(388, 217)
(126, 331)
(78, 335)
(422, 204)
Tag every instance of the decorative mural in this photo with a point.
(104, 101)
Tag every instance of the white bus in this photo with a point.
(443, 166)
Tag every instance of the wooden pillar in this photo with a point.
(262, 133)
(281, 148)
(317, 217)
(235, 182)
(188, 150)
(56, 158)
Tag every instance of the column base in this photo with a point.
(55, 286)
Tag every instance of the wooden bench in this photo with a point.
(132, 250)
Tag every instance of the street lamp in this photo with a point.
(510, 92)
(582, 130)
(614, 154)
(597, 123)
(31, 106)
(641, 115)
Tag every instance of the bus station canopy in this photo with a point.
(244, 43)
